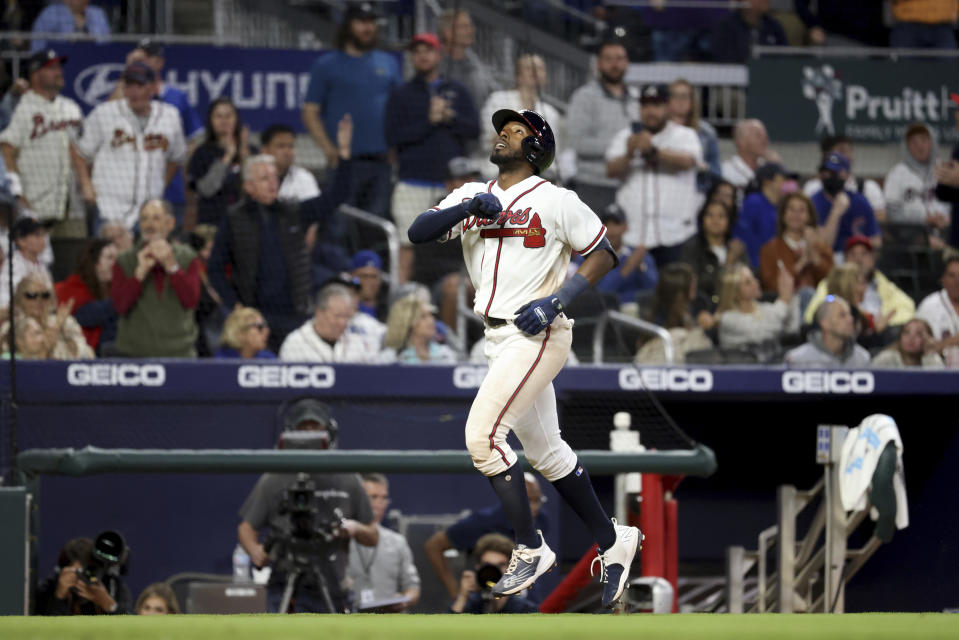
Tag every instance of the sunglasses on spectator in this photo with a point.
(33, 295)
(259, 326)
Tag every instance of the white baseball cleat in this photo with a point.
(525, 567)
(615, 562)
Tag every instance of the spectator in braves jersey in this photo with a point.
(656, 159)
(152, 53)
(429, 121)
(355, 80)
(517, 256)
(910, 186)
(155, 289)
(135, 146)
(39, 144)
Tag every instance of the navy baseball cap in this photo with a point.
(835, 161)
(151, 47)
(769, 171)
(26, 226)
(360, 11)
(366, 258)
(654, 93)
(613, 212)
(139, 73)
(42, 58)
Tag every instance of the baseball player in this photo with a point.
(135, 145)
(517, 256)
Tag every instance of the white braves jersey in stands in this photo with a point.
(42, 130)
(523, 253)
(130, 158)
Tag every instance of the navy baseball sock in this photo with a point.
(577, 489)
(511, 489)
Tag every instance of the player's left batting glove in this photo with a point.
(535, 316)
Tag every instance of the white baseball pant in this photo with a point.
(517, 394)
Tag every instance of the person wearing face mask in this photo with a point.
(842, 213)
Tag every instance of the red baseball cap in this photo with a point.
(858, 239)
(426, 38)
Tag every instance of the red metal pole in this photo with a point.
(671, 543)
(651, 522)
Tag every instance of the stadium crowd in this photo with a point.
(194, 237)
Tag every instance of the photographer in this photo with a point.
(312, 518)
(493, 553)
(81, 586)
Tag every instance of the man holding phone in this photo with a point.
(656, 159)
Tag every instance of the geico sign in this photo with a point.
(698, 380)
(468, 377)
(293, 376)
(828, 382)
(111, 375)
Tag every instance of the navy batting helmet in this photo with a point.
(539, 149)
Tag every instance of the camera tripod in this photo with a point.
(297, 558)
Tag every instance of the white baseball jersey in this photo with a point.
(937, 310)
(660, 206)
(130, 158)
(42, 130)
(523, 254)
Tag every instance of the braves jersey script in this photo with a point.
(41, 130)
(523, 253)
(130, 158)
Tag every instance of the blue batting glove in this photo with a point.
(484, 205)
(535, 316)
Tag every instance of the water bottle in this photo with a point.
(241, 565)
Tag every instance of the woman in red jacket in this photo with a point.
(89, 288)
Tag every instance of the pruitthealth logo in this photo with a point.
(821, 85)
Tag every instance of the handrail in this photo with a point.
(759, 51)
(392, 239)
(698, 461)
(618, 317)
(168, 38)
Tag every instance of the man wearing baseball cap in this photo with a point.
(429, 121)
(38, 145)
(656, 160)
(367, 268)
(910, 188)
(355, 81)
(842, 213)
(883, 299)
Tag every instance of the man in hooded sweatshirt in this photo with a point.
(833, 344)
(910, 186)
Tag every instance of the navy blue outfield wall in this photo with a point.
(760, 422)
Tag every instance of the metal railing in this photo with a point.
(392, 239)
(612, 317)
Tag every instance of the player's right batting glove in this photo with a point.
(537, 315)
(484, 205)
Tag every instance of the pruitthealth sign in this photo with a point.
(802, 100)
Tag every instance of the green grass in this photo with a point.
(875, 626)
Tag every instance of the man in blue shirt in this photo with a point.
(842, 213)
(429, 121)
(70, 16)
(758, 220)
(356, 79)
